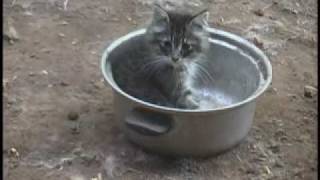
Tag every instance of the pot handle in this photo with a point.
(148, 123)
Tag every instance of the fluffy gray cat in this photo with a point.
(178, 41)
(166, 67)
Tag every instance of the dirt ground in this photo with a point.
(52, 53)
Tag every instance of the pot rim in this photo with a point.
(234, 37)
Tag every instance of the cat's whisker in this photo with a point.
(156, 60)
(154, 67)
(150, 64)
(205, 78)
(148, 67)
(204, 71)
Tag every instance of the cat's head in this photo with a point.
(178, 35)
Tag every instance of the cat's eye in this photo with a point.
(187, 49)
(187, 46)
(166, 44)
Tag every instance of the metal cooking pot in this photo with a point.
(242, 73)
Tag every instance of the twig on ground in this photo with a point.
(267, 7)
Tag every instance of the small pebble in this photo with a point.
(58, 166)
(258, 43)
(310, 92)
(62, 35)
(11, 35)
(44, 72)
(268, 171)
(221, 19)
(98, 85)
(33, 56)
(293, 96)
(28, 13)
(278, 164)
(313, 169)
(259, 12)
(74, 42)
(63, 83)
(275, 148)
(13, 152)
(64, 23)
(14, 78)
(73, 116)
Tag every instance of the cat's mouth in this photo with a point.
(172, 65)
(178, 66)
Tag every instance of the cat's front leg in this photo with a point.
(188, 101)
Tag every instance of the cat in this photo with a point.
(177, 42)
(165, 67)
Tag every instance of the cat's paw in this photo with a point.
(188, 102)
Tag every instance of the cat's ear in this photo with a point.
(160, 20)
(201, 18)
(160, 14)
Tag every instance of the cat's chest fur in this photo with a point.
(178, 85)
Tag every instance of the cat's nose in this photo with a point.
(175, 59)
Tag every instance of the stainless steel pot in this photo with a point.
(242, 73)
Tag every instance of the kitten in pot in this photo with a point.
(166, 66)
(177, 42)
